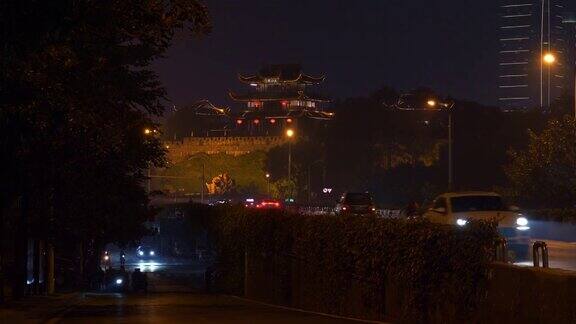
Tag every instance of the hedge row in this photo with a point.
(435, 265)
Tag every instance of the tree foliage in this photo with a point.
(544, 174)
(76, 92)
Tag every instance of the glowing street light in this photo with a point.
(431, 103)
(268, 182)
(290, 133)
(549, 58)
(147, 131)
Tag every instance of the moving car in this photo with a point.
(145, 252)
(458, 208)
(269, 204)
(355, 203)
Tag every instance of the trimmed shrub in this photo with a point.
(441, 271)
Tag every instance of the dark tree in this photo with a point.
(76, 93)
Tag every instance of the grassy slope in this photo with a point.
(246, 170)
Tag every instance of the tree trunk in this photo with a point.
(21, 250)
(49, 269)
(37, 252)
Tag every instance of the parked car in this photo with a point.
(458, 208)
(355, 203)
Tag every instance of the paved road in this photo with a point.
(181, 308)
(562, 255)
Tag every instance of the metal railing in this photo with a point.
(501, 250)
(540, 248)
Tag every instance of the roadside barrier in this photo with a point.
(540, 246)
(501, 250)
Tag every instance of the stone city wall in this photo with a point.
(180, 150)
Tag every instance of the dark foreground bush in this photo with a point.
(442, 271)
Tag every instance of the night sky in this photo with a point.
(360, 45)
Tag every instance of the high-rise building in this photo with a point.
(529, 29)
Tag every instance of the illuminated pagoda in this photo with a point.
(279, 94)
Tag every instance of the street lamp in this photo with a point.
(550, 59)
(268, 180)
(290, 134)
(448, 106)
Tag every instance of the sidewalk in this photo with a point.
(37, 309)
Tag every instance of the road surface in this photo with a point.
(562, 255)
(181, 308)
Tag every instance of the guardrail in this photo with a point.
(501, 250)
(325, 210)
(540, 246)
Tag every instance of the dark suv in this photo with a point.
(355, 203)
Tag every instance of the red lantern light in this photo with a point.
(272, 121)
(289, 120)
(239, 121)
(256, 121)
(284, 103)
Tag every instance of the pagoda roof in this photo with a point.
(276, 96)
(281, 73)
(312, 114)
(206, 108)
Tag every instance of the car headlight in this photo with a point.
(152, 253)
(461, 222)
(140, 253)
(521, 221)
(119, 281)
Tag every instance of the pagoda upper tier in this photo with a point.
(280, 87)
(280, 74)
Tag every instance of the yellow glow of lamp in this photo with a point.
(147, 131)
(431, 103)
(549, 58)
(290, 133)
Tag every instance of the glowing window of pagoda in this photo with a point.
(254, 104)
(270, 80)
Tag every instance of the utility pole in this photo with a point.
(203, 184)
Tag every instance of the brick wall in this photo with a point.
(180, 150)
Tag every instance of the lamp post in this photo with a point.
(268, 181)
(448, 106)
(309, 176)
(148, 132)
(550, 59)
(290, 134)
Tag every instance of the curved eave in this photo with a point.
(302, 78)
(301, 96)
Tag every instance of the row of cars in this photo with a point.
(454, 208)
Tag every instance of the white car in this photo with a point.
(457, 208)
